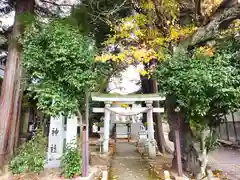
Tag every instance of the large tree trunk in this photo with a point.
(18, 119)
(189, 151)
(9, 100)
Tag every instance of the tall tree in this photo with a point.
(11, 93)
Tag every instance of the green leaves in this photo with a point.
(60, 64)
(204, 86)
(30, 156)
(70, 162)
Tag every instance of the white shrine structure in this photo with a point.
(108, 99)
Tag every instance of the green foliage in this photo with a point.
(30, 156)
(26, 18)
(211, 141)
(71, 161)
(206, 83)
(145, 124)
(59, 62)
(94, 16)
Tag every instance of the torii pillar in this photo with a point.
(150, 128)
(107, 114)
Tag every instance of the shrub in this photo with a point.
(71, 161)
(30, 156)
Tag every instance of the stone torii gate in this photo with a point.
(108, 99)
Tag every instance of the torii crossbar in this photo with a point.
(108, 99)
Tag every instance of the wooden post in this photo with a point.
(87, 132)
(234, 126)
(115, 132)
(178, 152)
(178, 145)
(225, 118)
(84, 156)
(129, 131)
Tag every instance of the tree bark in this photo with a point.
(227, 12)
(189, 151)
(17, 128)
(11, 83)
(159, 128)
(15, 114)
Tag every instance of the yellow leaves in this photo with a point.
(103, 57)
(110, 40)
(140, 19)
(148, 5)
(176, 32)
(115, 58)
(143, 55)
(138, 33)
(209, 52)
(141, 41)
(205, 50)
(143, 72)
(233, 29)
(124, 105)
(152, 33)
(208, 6)
(167, 7)
(158, 41)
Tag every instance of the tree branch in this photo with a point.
(55, 4)
(160, 16)
(224, 16)
(45, 11)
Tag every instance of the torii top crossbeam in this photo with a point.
(126, 98)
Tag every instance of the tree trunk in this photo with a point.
(159, 128)
(16, 112)
(11, 82)
(17, 128)
(189, 151)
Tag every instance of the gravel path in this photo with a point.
(127, 164)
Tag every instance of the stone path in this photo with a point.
(127, 164)
(226, 160)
